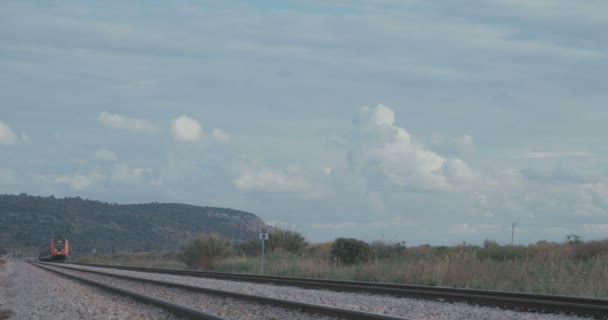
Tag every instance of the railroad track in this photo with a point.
(192, 313)
(598, 308)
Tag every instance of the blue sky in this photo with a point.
(425, 122)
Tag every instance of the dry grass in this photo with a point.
(552, 268)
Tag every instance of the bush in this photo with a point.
(249, 248)
(205, 251)
(589, 250)
(384, 250)
(349, 250)
(286, 240)
(573, 239)
(503, 253)
(490, 244)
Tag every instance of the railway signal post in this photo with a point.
(263, 237)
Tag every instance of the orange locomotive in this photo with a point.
(56, 250)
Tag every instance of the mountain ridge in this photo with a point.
(92, 225)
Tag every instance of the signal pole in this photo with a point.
(513, 225)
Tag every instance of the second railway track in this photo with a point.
(597, 308)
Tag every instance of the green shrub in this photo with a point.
(502, 253)
(490, 244)
(249, 248)
(384, 250)
(205, 251)
(573, 238)
(286, 240)
(349, 250)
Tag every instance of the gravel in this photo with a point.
(228, 308)
(27, 292)
(401, 307)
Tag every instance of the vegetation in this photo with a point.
(28, 221)
(205, 251)
(545, 267)
(348, 250)
(286, 240)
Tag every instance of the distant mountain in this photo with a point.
(109, 227)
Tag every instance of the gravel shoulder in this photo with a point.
(27, 292)
(401, 307)
(229, 308)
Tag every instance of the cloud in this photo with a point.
(79, 181)
(265, 179)
(7, 135)
(186, 129)
(335, 226)
(462, 229)
(465, 144)
(123, 173)
(117, 121)
(104, 154)
(540, 155)
(596, 194)
(281, 225)
(558, 174)
(388, 156)
(220, 136)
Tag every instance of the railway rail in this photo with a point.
(597, 308)
(191, 313)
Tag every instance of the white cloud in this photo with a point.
(123, 173)
(281, 224)
(80, 181)
(601, 229)
(388, 156)
(465, 144)
(186, 129)
(104, 154)
(220, 136)
(335, 226)
(462, 229)
(117, 121)
(267, 179)
(7, 135)
(540, 155)
(596, 194)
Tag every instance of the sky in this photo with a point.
(398, 120)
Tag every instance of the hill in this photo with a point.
(109, 227)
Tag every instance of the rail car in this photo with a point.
(55, 250)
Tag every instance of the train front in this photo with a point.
(55, 250)
(60, 249)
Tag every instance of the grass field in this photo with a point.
(579, 269)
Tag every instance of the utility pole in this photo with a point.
(513, 225)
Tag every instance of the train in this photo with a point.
(56, 250)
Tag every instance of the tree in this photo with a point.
(573, 239)
(349, 250)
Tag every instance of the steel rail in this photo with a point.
(290, 304)
(598, 308)
(176, 309)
